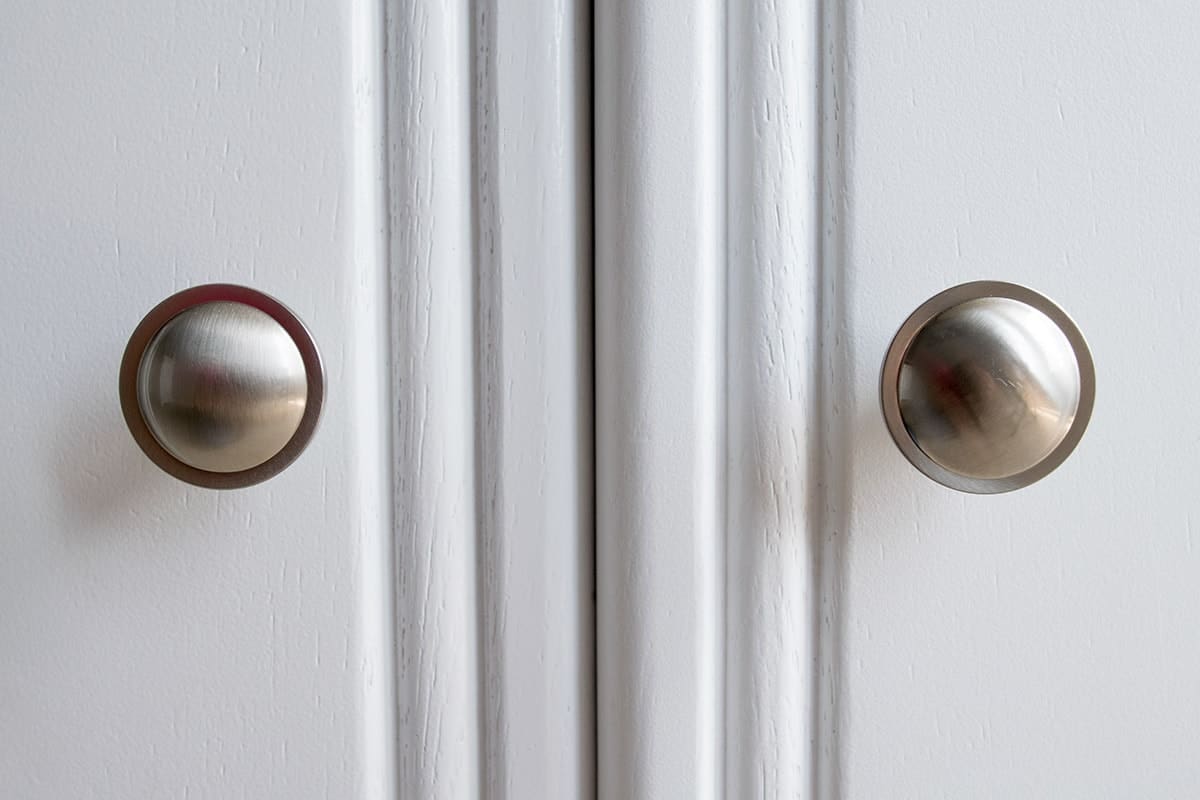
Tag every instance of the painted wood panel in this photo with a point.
(161, 640)
(432, 259)
(413, 180)
(1042, 643)
(490, 250)
(710, 294)
(774, 490)
(534, 398)
(660, 321)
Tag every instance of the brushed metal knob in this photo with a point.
(221, 386)
(987, 387)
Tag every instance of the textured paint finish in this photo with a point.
(432, 352)
(708, 308)
(774, 293)
(659, 397)
(533, 398)
(1044, 643)
(161, 640)
(489, 245)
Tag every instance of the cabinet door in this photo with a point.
(406, 609)
(162, 640)
(1043, 643)
(786, 607)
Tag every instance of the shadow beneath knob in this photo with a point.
(106, 482)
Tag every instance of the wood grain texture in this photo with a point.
(429, 136)
(533, 355)
(1042, 643)
(774, 378)
(161, 640)
(660, 396)
(491, 312)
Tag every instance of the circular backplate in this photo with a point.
(963, 297)
(144, 334)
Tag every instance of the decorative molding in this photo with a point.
(430, 186)
(491, 295)
(710, 291)
(660, 357)
(774, 378)
(533, 398)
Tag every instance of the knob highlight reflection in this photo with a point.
(221, 386)
(988, 387)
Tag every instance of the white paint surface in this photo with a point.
(709, 295)
(1036, 644)
(533, 406)
(160, 640)
(490, 253)
(659, 400)
(1044, 643)
(434, 442)
(773, 289)
(406, 611)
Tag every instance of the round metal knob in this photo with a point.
(988, 387)
(221, 386)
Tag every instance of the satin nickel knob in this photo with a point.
(221, 386)
(987, 387)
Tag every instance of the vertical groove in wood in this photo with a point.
(773, 383)
(370, 360)
(660, 278)
(432, 328)
(834, 385)
(490, 341)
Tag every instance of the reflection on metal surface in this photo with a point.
(221, 386)
(987, 387)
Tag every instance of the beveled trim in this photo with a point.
(144, 334)
(926, 312)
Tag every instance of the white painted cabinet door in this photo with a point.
(1044, 643)
(786, 608)
(156, 639)
(406, 611)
